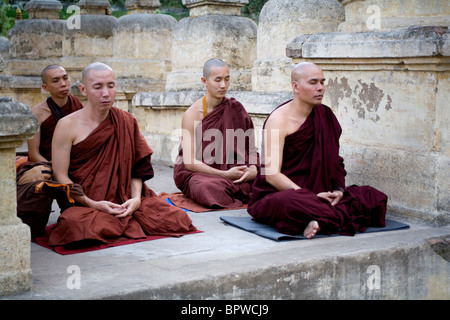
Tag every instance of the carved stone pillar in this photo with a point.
(43, 9)
(16, 124)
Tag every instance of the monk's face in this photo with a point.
(99, 88)
(310, 86)
(57, 83)
(218, 81)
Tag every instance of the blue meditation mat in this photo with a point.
(170, 202)
(269, 232)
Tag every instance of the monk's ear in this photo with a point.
(82, 89)
(44, 87)
(204, 80)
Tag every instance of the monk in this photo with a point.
(101, 154)
(33, 207)
(300, 188)
(218, 159)
(56, 82)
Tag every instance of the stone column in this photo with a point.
(91, 41)
(35, 42)
(142, 6)
(43, 9)
(96, 7)
(141, 57)
(16, 124)
(214, 29)
(280, 22)
(384, 15)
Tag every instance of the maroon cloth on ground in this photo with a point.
(85, 246)
(212, 191)
(48, 125)
(311, 160)
(103, 165)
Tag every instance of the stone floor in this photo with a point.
(224, 262)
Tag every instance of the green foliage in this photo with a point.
(7, 17)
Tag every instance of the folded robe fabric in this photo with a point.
(269, 232)
(87, 246)
(35, 194)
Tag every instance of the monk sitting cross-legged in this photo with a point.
(218, 160)
(101, 149)
(300, 188)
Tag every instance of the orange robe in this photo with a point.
(104, 164)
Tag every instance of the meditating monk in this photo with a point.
(100, 152)
(218, 159)
(300, 188)
(56, 82)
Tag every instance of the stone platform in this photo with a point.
(224, 262)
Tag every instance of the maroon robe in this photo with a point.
(104, 164)
(48, 125)
(311, 160)
(220, 151)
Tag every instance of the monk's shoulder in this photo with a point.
(194, 112)
(237, 105)
(41, 111)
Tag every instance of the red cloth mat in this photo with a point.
(89, 245)
(178, 199)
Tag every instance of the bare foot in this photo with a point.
(311, 229)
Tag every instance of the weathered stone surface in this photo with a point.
(230, 38)
(217, 7)
(280, 22)
(408, 42)
(36, 39)
(16, 119)
(94, 7)
(43, 9)
(16, 123)
(142, 6)
(382, 15)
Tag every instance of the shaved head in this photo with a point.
(44, 72)
(210, 64)
(98, 66)
(300, 70)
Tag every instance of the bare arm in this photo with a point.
(35, 142)
(273, 146)
(33, 147)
